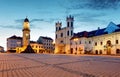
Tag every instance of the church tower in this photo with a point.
(26, 32)
(70, 22)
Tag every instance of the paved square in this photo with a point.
(50, 65)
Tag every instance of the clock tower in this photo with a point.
(26, 32)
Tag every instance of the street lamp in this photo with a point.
(75, 39)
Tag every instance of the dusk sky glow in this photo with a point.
(42, 14)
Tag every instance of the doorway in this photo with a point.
(96, 52)
(108, 44)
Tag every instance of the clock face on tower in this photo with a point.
(27, 35)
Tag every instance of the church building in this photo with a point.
(63, 36)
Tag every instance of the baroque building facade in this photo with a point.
(100, 41)
(63, 35)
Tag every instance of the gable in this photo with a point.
(111, 28)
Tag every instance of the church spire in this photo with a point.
(26, 19)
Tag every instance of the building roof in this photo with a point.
(1, 47)
(34, 42)
(100, 32)
(15, 37)
(111, 28)
(26, 20)
(47, 38)
(80, 34)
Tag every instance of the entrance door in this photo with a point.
(109, 50)
(96, 52)
(71, 50)
(108, 47)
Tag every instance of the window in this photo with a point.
(117, 51)
(117, 42)
(80, 42)
(56, 36)
(101, 43)
(59, 28)
(71, 33)
(61, 41)
(89, 42)
(95, 43)
(67, 24)
(61, 34)
(71, 24)
(56, 28)
(68, 33)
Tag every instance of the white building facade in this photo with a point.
(1, 49)
(13, 42)
(63, 36)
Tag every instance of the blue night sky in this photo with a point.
(42, 14)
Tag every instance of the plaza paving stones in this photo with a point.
(51, 65)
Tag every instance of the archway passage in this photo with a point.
(108, 50)
(71, 50)
(118, 51)
(108, 44)
(100, 51)
(96, 52)
(62, 49)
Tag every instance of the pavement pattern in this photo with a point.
(51, 65)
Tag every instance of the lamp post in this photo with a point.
(75, 40)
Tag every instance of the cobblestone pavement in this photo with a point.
(50, 65)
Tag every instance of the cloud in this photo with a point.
(31, 21)
(11, 26)
(19, 20)
(36, 20)
(104, 4)
(89, 17)
(19, 27)
(94, 4)
(33, 25)
(48, 20)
